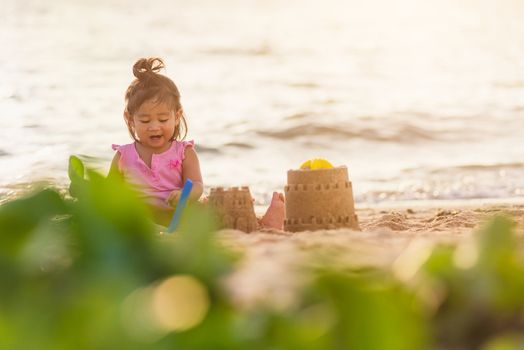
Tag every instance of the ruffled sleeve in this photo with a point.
(120, 149)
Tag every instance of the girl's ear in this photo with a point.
(128, 118)
(178, 115)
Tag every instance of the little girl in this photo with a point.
(159, 161)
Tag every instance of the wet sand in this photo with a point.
(273, 260)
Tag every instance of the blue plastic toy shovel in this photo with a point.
(180, 206)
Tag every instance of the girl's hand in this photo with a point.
(173, 198)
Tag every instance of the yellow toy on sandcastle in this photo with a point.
(316, 163)
(319, 196)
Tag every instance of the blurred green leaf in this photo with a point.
(194, 248)
(496, 241)
(369, 304)
(440, 262)
(76, 168)
(506, 342)
(76, 172)
(486, 297)
(19, 218)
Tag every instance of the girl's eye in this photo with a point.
(144, 121)
(163, 120)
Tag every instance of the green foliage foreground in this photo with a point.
(94, 273)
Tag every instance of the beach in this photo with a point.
(389, 237)
(421, 101)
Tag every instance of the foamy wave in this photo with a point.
(405, 133)
(470, 167)
(241, 145)
(205, 149)
(468, 181)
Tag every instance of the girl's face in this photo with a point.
(154, 124)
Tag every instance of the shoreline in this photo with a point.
(428, 203)
(459, 202)
(17, 189)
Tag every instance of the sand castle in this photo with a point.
(319, 199)
(234, 207)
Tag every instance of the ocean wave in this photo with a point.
(238, 145)
(298, 116)
(465, 181)
(405, 133)
(469, 167)
(448, 192)
(206, 149)
(498, 166)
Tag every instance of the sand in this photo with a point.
(273, 260)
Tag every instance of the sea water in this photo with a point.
(421, 100)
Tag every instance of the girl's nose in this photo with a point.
(153, 126)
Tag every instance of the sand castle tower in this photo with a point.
(319, 199)
(235, 208)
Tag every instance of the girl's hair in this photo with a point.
(149, 84)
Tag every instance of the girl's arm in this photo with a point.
(191, 170)
(114, 172)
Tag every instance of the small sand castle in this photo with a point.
(319, 199)
(235, 208)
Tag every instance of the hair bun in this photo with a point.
(146, 66)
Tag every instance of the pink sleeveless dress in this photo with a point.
(155, 183)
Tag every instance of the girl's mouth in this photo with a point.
(155, 137)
